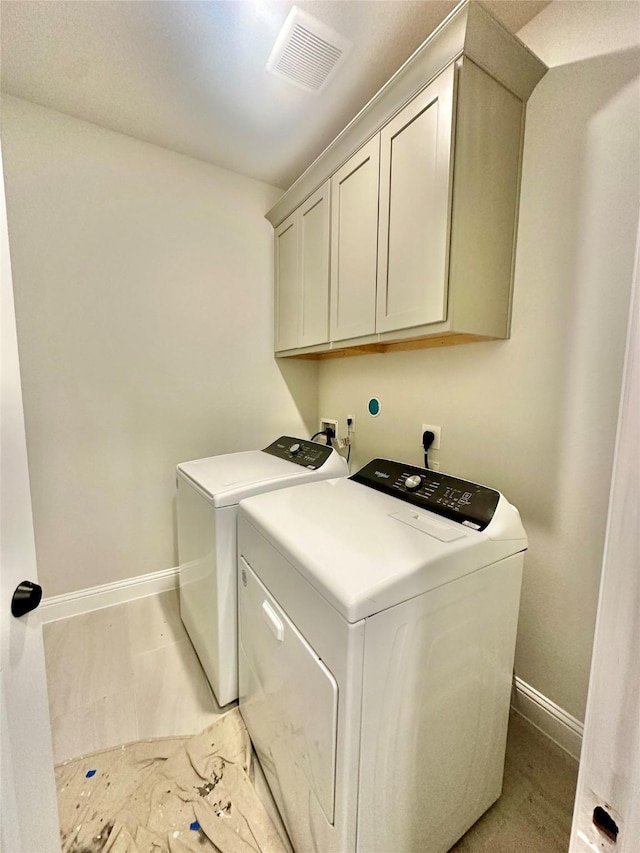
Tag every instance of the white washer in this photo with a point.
(377, 625)
(207, 507)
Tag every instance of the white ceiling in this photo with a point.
(190, 75)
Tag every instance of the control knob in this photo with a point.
(294, 449)
(413, 483)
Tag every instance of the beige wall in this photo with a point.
(143, 285)
(535, 416)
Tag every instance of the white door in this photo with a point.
(28, 818)
(607, 810)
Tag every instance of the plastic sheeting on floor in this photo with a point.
(173, 795)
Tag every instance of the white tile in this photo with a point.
(123, 673)
(73, 733)
(173, 696)
(155, 622)
(96, 725)
(59, 638)
(115, 720)
(88, 658)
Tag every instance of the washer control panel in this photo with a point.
(468, 503)
(308, 454)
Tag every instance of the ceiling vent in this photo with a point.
(307, 53)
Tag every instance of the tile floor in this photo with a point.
(129, 672)
(124, 673)
(534, 813)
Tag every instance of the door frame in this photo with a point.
(609, 775)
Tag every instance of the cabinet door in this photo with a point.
(415, 186)
(314, 269)
(287, 290)
(354, 238)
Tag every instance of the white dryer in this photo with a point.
(208, 492)
(377, 625)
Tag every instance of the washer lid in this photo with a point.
(365, 551)
(225, 480)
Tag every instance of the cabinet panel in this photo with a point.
(415, 160)
(489, 129)
(286, 262)
(314, 269)
(354, 237)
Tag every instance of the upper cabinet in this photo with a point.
(410, 238)
(302, 274)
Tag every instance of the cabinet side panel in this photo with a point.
(287, 289)
(488, 153)
(314, 269)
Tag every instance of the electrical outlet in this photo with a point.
(436, 430)
(351, 427)
(329, 422)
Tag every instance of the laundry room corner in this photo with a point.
(321, 444)
(535, 415)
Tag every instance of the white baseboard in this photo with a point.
(548, 717)
(96, 597)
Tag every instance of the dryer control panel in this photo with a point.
(468, 503)
(308, 454)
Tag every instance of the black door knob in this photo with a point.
(26, 598)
